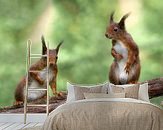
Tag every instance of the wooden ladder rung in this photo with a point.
(38, 55)
(36, 89)
(36, 105)
(34, 70)
(34, 57)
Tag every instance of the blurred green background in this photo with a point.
(85, 55)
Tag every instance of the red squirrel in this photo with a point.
(37, 80)
(125, 68)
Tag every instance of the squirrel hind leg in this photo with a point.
(16, 103)
(113, 78)
(133, 82)
(60, 94)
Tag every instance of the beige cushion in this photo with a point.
(76, 91)
(79, 91)
(143, 90)
(131, 91)
(103, 95)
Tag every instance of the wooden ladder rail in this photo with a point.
(28, 63)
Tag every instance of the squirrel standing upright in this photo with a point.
(37, 80)
(126, 66)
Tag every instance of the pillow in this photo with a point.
(70, 92)
(143, 92)
(76, 91)
(103, 95)
(131, 90)
(79, 91)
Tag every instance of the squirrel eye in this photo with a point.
(115, 29)
(57, 57)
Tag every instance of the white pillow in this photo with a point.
(84, 88)
(143, 90)
(103, 95)
(71, 94)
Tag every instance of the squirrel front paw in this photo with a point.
(127, 68)
(116, 55)
(119, 57)
(41, 82)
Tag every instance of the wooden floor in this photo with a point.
(18, 126)
(15, 121)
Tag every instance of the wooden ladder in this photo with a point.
(29, 56)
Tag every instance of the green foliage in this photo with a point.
(152, 39)
(85, 55)
(16, 17)
(157, 101)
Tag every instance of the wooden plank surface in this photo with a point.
(21, 126)
(5, 126)
(30, 125)
(19, 118)
(17, 126)
(13, 126)
(2, 123)
(39, 124)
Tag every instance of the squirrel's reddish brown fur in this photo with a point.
(37, 80)
(126, 66)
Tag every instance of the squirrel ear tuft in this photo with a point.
(44, 48)
(122, 21)
(112, 17)
(57, 49)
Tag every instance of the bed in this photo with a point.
(96, 111)
(92, 108)
(106, 114)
